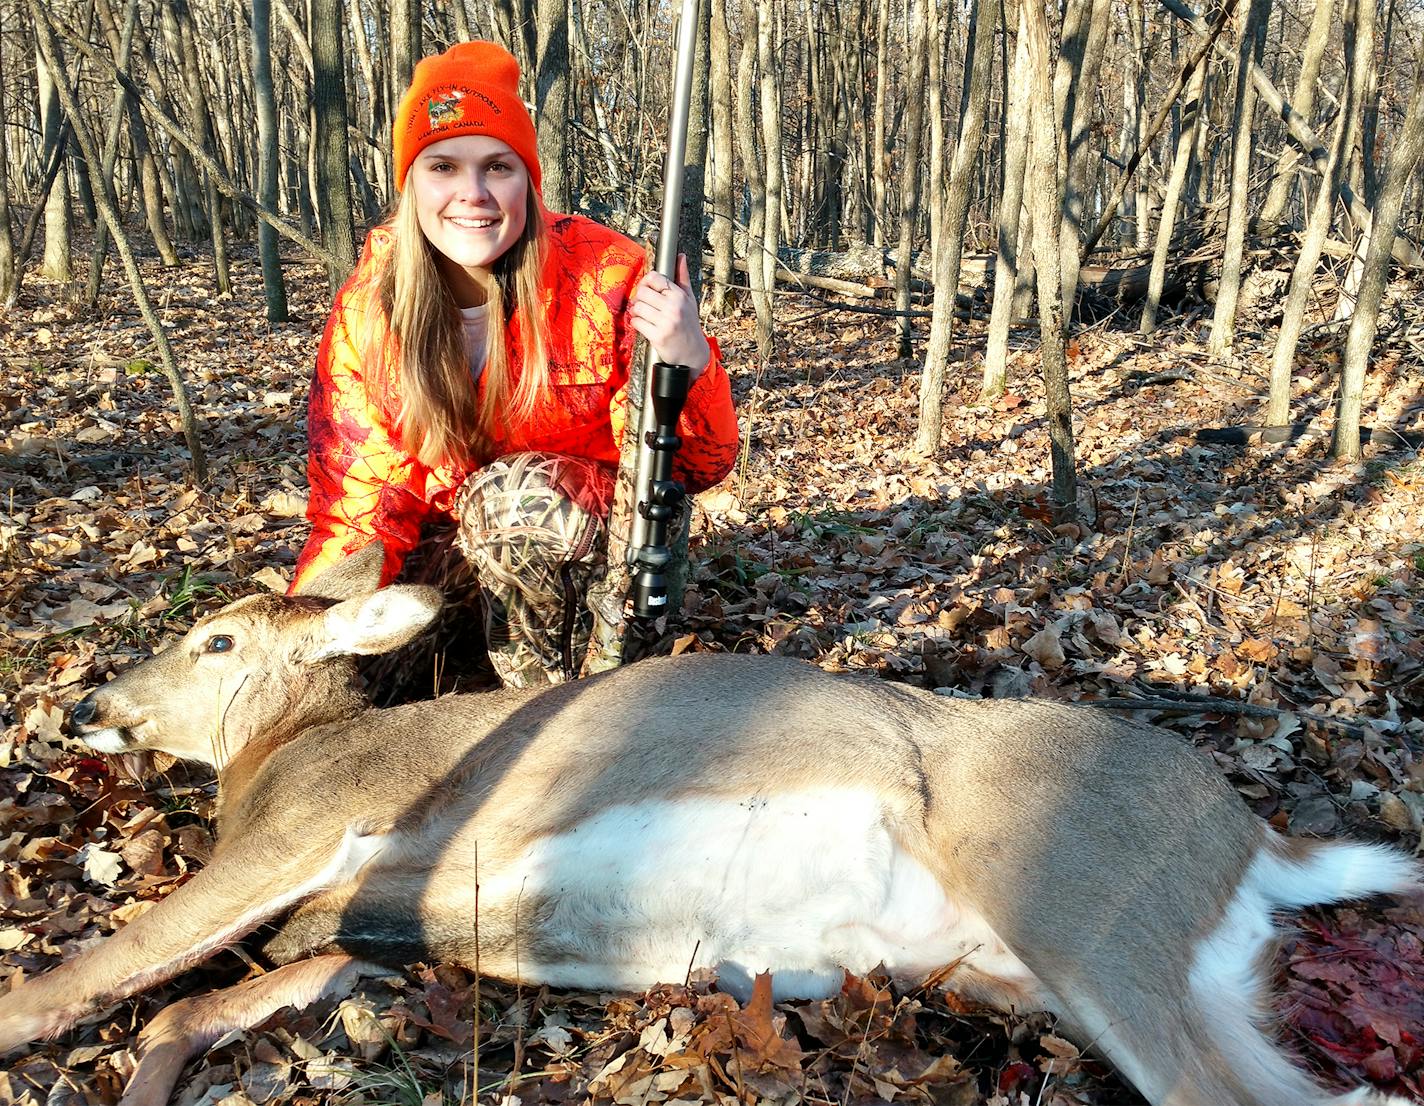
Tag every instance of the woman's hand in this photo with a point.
(666, 315)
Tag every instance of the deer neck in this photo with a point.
(320, 703)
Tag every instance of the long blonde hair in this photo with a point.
(441, 419)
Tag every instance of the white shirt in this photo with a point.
(475, 321)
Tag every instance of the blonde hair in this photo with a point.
(441, 418)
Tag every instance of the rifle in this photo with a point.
(659, 497)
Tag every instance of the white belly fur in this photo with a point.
(803, 885)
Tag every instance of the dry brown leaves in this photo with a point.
(1266, 577)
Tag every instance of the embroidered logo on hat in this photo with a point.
(444, 112)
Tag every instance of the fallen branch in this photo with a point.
(1206, 704)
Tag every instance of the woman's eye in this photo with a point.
(499, 167)
(219, 643)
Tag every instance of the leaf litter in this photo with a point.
(1282, 589)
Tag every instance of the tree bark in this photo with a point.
(694, 182)
(7, 240)
(200, 120)
(333, 169)
(770, 91)
(1300, 131)
(1223, 320)
(1176, 185)
(1359, 49)
(879, 167)
(1076, 114)
(1304, 102)
(151, 181)
(57, 219)
(720, 233)
(910, 173)
(752, 167)
(273, 286)
(48, 46)
(1007, 261)
(111, 151)
(1046, 190)
(551, 101)
(979, 70)
(1404, 160)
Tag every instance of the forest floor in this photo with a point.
(1263, 576)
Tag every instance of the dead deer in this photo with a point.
(757, 810)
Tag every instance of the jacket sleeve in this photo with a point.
(708, 426)
(363, 484)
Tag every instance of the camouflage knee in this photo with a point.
(533, 527)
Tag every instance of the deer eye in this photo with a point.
(218, 643)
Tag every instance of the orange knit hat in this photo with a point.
(472, 88)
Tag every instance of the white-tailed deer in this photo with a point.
(757, 810)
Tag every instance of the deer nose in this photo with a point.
(83, 712)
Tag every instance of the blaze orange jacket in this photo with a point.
(365, 484)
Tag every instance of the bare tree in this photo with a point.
(1359, 48)
(1223, 320)
(1303, 101)
(1046, 189)
(272, 283)
(1192, 112)
(57, 214)
(752, 167)
(551, 100)
(333, 158)
(720, 233)
(1404, 161)
(879, 168)
(910, 172)
(1010, 254)
(955, 206)
(48, 46)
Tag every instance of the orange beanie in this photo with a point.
(472, 88)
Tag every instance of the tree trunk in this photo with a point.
(771, 136)
(57, 219)
(7, 240)
(1135, 226)
(1077, 112)
(111, 152)
(151, 181)
(879, 167)
(551, 101)
(978, 75)
(1359, 52)
(1303, 101)
(272, 284)
(1046, 190)
(48, 47)
(199, 119)
(752, 167)
(1007, 261)
(1176, 184)
(333, 169)
(1404, 160)
(694, 181)
(1223, 320)
(910, 173)
(720, 234)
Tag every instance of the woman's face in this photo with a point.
(471, 195)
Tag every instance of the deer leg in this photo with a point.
(235, 894)
(187, 1027)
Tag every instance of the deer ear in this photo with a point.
(351, 577)
(377, 623)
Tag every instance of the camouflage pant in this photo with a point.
(533, 527)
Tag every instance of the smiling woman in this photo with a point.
(474, 369)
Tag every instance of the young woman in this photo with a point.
(475, 366)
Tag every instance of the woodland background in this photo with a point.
(1052, 330)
